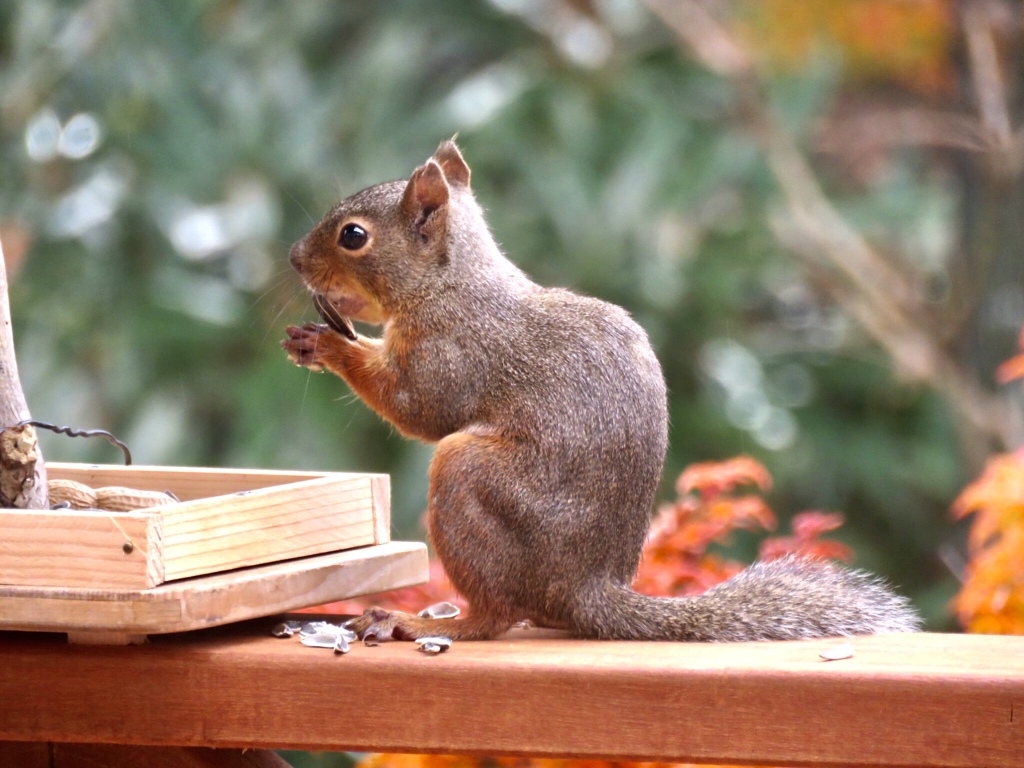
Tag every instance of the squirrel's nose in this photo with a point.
(296, 253)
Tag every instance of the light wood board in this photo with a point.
(119, 616)
(951, 701)
(188, 483)
(227, 519)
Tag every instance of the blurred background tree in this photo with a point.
(813, 207)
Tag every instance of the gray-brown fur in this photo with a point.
(549, 413)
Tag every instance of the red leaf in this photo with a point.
(714, 478)
(1011, 370)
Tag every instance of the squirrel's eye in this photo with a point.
(353, 237)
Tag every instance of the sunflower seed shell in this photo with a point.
(440, 611)
(324, 640)
(434, 644)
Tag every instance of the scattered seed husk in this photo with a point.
(434, 644)
(326, 628)
(339, 637)
(837, 652)
(316, 628)
(440, 611)
(286, 629)
(321, 640)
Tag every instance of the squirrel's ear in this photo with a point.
(424, 197)
(452, 163)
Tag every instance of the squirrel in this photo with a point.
(549, 414)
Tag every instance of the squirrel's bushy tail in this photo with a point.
(786, 599)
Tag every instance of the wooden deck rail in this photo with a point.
(910, 700)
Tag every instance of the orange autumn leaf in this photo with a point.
(713, 504)
(1001, 485)
(996, 499)
(450, 761)
(991, 599)
(419, 761)
(1011, 370)
(746, 512)
(807, 529)
(908, 42)
(713, 478)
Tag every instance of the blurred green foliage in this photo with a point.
(158, 160)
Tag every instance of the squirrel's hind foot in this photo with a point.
(377, 624)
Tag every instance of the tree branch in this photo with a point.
(22, 470)
(871, 289)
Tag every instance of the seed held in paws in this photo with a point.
(330, 315)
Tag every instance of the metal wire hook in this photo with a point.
(77, 433)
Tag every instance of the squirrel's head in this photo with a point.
(383, 247)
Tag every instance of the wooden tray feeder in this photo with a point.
(238, 544)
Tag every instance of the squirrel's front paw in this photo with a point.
(305, 344)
